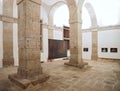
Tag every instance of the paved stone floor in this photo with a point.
(97, 76)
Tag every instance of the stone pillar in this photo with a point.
(76, 45)
(75, 33)
(94, 55)
(29, 45)
(8, 34)
(51, 27)
(50, 33)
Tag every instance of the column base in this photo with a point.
(81, 65)
(25, 83)
(94, 58)
(8, 62)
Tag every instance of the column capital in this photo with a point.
(94, 30)
(34, 1)
(71, 21)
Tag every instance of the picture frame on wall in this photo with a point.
(85, 49)
(113, 50)
(104, 49)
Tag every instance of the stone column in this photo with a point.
(8, 34)
(50, 33)
(75, 34)
(76, 45)
(51, 27)
(29, 45)
(94, 55)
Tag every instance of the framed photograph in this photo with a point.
(104, 49)
(85, 49)
(115, 50)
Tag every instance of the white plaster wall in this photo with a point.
(1, 43)
(109, 39)
(58, 34)
(44, 53)
(15, 34)
(106, 39)
(68, 53)
(106, 15)
(15, 9)
(43, 15)
(15, 44)
(1, 7)
(61, 16)
(86, 22)
(86, 43)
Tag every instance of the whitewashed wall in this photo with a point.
(1, 7)
(1, 43)
(58, 34)
(15, 34)
(106, 39)
(43, 15)
(15, 44)
(109, 39)
(15, 9)
(44, 53)
(86, 43)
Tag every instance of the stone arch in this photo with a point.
(43, 15)
(1, 7)
(94, 33)
(92, 14)
(72, 9)
(75, 10)
(53, 9)
(15, 9)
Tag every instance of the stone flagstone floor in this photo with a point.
(97, 76)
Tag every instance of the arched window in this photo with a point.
(61, 16)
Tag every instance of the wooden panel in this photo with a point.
(57, 49)
(66, 32)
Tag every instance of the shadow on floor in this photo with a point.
(5, 85)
